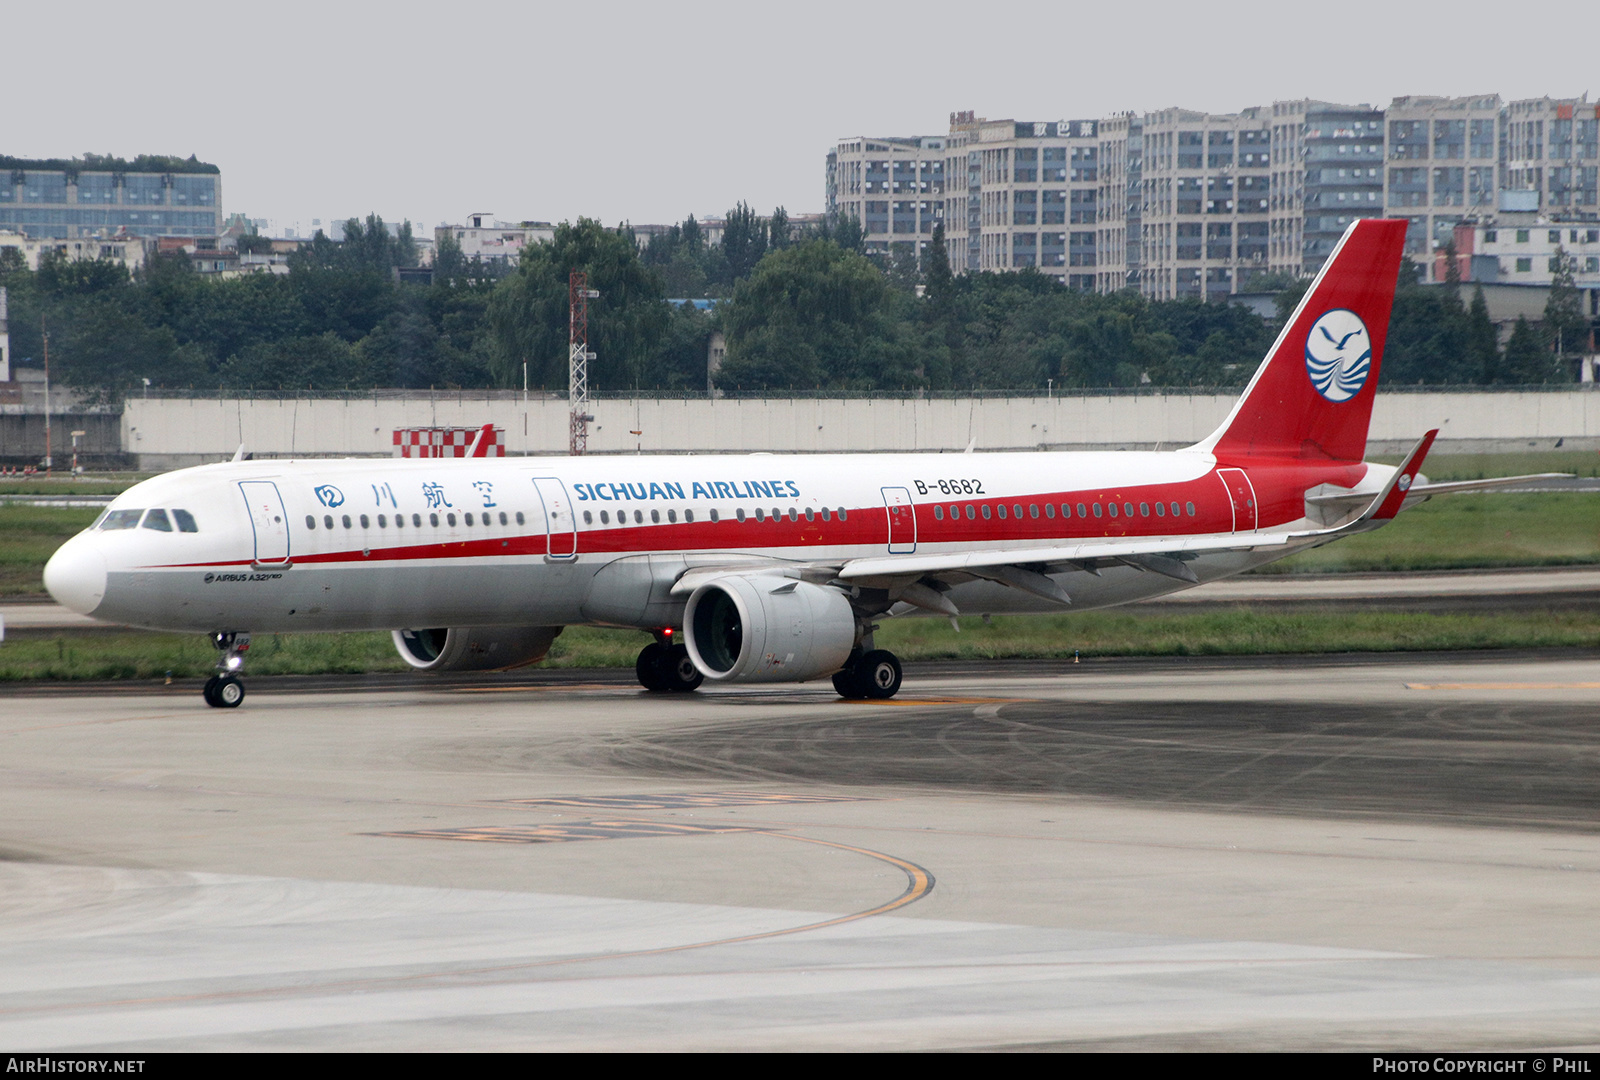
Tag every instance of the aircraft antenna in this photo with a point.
(578, 356)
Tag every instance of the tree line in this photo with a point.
(800, 310)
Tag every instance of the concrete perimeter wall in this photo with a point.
(164, 434)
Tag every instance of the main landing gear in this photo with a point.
(225, 689)
(873, 674)
(667, 668)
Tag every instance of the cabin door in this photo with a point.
(902, 520)
(271, 524)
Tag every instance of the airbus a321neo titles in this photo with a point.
(761, 568)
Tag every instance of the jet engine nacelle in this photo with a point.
(475, 648)
(766, 628)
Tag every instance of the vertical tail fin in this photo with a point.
(1312, 395)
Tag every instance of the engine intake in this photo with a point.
(475, 648)
(765, 628)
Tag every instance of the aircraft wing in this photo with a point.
(1026, 568)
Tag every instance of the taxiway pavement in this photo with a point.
(1341, 853)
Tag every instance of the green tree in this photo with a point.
(1528, 359)
(744, 242)
(528, 314)
(812, 317)
(1483, 343)
(1564, 325)
(322, 362)
(779, 232)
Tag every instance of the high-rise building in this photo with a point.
(94, 196)
(1550, 147)
(1203, 202)
(1183, 203)
(1119, 204)
(894, 187)
(1441, 164)
(1023, 194)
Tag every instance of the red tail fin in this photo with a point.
(1312, 396)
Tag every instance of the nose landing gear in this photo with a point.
(225, 689)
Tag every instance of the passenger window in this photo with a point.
(345, 521)
(713, 513)
(311, 523)
(638, 517)
(938, 513)
(157, 520)
(1033, 510)
(467, 517)
(399, 521)
(1002, 509)
(1190, 508)
(842, 515)
(739, 513)
(416, 521)
(1110, 507)
(1016, 511)
(827, 515)
(365, 524)
(1097, 512)
(122, 519)
(1161, 509)
(794, 515)
(655, 517)
(761, 514)
(1050, 510)
(185, 520)
(605, 517)
(688, 515)
(588, 518)
(327, 521)
(1174, 509)
(1081, 510)
(1144, 509)
(1127, 509)
(433, 519)
(672, 515)
(987, 513)
(970, 512)
(810, 516)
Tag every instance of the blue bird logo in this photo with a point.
(1338, 354)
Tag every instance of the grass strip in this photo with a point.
(1232, 631)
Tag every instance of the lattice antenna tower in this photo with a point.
(578, 356)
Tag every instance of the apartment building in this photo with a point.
(1119, 204)
(72, 199)
(894, 186)
(1442, 162)
(1023, 194)
(1551, 147)
(1183, 203)
(482, 238)
(1203, 202)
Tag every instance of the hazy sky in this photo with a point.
(648, 112)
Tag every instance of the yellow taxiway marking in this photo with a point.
(1502, 686)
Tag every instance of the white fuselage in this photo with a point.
(358, 544)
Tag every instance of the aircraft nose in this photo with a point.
(76, 575)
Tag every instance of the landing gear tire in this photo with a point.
(667, 668)
(874, 675)
(650, 667)
(678, 670)
(224, 691)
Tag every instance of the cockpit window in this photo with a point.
(121, 519)
(157, 520)
(185, 520)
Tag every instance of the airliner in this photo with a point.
(759, 568)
